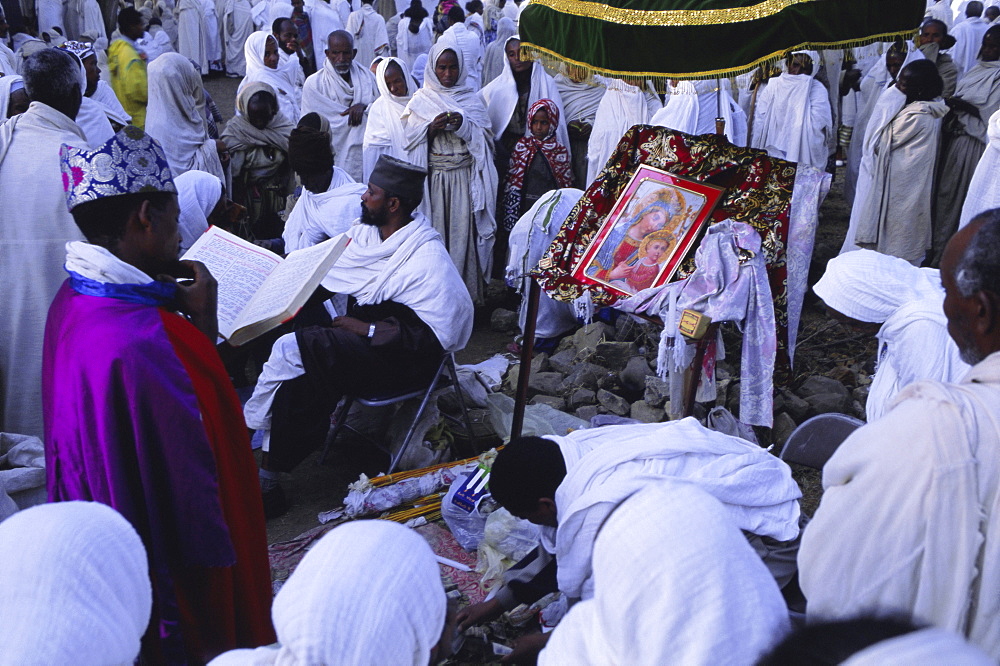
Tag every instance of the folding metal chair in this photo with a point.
(816, 439)
(446, 376)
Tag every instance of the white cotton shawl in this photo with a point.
(529, 239)
(237, 26)
(8, 63)
(328, 94)
(984, 189)
(74, 586)
(369, 593)
(692, 107)
(979, 87)
(914, 343)
(434, 99)
(112, 107)
(606, 465)
(198, 193)
(403, 37)
(91, 116)
(494, 57)
(384, 133)
(580, 98)
(793, 119)
(289, 97)
(460, 36)
(325, 17)
(370, 37)
(6, 82)
(621, 107)
(175, 116)
(317, 217)
(676, 582)
(500, 98)
(914, 499)
(411, 267)
(191, 33)
(968, 40)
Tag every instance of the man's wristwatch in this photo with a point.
(371, 331)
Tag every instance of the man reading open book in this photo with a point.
(408, 305)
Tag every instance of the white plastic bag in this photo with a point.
(506, 540)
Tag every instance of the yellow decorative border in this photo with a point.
(531, 51)
(668, 17)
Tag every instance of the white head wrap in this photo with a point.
(198, 192)
(74, 586)
(870, 286)
(676, 582)
(368, 593)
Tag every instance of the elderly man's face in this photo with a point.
(340, 53)
(961, 311)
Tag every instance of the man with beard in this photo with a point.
(341, 92)
(291, 59)
(924, 478)
(407, 306)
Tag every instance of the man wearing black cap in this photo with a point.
(408, 306)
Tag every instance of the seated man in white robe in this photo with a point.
(341, 92)
(910, 516)
(408, 307)
(902, 305)
(793, 120)
(570, 485)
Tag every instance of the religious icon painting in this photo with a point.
(649, 231)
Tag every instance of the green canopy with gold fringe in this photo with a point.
(699, 39)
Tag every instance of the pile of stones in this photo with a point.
(604, 369)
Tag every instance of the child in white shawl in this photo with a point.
(368, 593)
(447, 118)
(675, 583)
(74, 586)
(262, 58)
(175, 117)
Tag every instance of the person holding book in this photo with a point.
(408, 307)
(140, 413)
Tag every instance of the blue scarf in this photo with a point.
(152, 293)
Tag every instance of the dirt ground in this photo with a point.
(824, 347)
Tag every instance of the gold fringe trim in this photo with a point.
(669, 17)
(583, 71)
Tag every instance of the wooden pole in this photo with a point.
(527, 351)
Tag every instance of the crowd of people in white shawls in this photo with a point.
(670, 543)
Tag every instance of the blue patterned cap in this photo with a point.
(130, 162)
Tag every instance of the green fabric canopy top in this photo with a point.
(698, 39)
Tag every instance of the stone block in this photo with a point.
(547, 383)
(613, 403)
(592, 334)
(587, 412)
(581, 397)
(633, 377)
(782, 429)
(657, 391)
(646, 413)
(818, 384)
(540, 363)
(503, 320)
(615, 355)
(584, 375)
(563, 361)
(825, 403)
(552, 401)
(796, 407)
